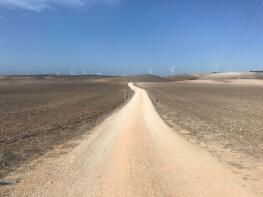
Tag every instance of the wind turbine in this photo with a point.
(84, 72)
(150, 70)
(171, 70)
(71, 72)
(218, 67)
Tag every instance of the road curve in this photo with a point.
(132, 153)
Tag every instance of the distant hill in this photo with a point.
(232, 75)
(136, 78)
(49, 77)
(182, 77)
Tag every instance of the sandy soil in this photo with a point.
(231, 75)
(135, 78)
(225, 119)
(247, 82)
(37, 114)
(132, 153)
(184, 77)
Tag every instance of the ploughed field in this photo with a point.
(36, 114)
(225, 116)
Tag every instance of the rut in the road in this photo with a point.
(132, 153)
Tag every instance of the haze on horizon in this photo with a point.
(116, 37)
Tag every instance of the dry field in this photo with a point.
(134, 78)
(231, 75)
(38, 113)
(231, 113)
(227, 119)
(132, 153)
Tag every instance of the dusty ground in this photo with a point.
(135, 78)
(225, 118)
(182, 77)
(132, 153)
(244, 82)
(38, 113)
(231, 75)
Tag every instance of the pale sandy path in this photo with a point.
(132, 153)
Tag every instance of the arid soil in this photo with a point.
(231, 75)
(227, 119)
(38, 113)
(182, 77)
(132, 153)
(135, 78)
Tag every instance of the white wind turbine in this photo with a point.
(150, 70)
(84, 72)
(218, 67)
(71, 72)
(171, 70)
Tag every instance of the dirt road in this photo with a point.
(132, 153)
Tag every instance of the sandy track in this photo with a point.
(132, 153)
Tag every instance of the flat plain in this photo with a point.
(212, 146)
(225, 118)
(37, 113)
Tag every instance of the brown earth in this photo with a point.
(137, 78)
(224, 118)
(132, 153)
(38, 113)
(182, 77)
(231, 75)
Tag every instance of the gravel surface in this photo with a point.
(229, 114)
(225, 119)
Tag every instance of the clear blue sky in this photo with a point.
(130, 36)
